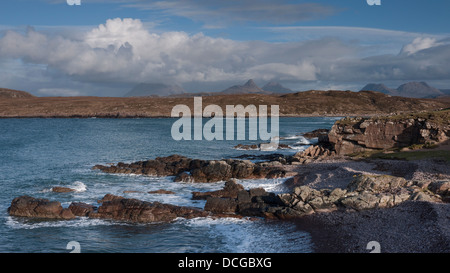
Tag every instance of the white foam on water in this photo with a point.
(246, 236)
(291, 137)
(303, 140)
(271, 185)
(298, 148)
(78, 186)
(19, 223)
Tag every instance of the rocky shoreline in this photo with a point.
(341, 201)
(363, 192)
(198, 171)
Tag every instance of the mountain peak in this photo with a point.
(251, 83)
(249, 87)
(409, 89)
(276, 87)
(379, 87)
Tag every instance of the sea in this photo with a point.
(39, 154)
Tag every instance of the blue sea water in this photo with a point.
(38, 154)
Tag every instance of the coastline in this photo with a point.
(350, 231)
(301, 104)
(410, 227)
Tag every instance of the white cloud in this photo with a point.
(124, 51)
(419, 43)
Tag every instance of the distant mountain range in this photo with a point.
(410, 89)
(275, 87)
(163, 90)
(249, 87)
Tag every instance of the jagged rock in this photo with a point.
(353, 135)
(230, 190)
(27, 206)
(62, 189)
(439, 187)
(376, 183)
(254, 202)
(316, 133)
(109, 197)
(361, 201)
(314, 153)
(133, 210)
(195, 170)
(221, 205)
(421, 196)
(81, 209)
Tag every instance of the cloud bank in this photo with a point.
(123, 51)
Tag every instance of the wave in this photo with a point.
(18, 223)
(291, 137)
(77, 186)
(249, 149)
(303, 141)
(298, 148)
(244, 236)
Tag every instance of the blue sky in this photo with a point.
(106, 47)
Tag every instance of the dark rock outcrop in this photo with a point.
(313, 153)
(230, 190)
(352, 135)
(316, 133)
(81, 209)
(133, 210)
(259, 147)
(195, 170)
(254, 202)
(62, 189)
(364, 192)
(27, 206)
(161, 191)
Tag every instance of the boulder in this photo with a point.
(353, 135)
(81, 209)
(254, 202)
(133, 210)
(376, 183)
(440, 187)
(196, 170)
(221, 205)
(27, 206)
(230, 190)
(62, 189)
(360, 202)
(316, 133)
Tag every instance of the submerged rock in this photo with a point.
(161, 191)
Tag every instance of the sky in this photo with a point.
(106, 47)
